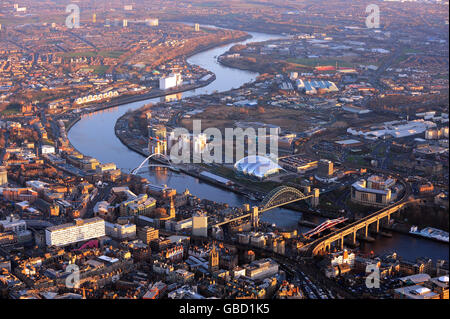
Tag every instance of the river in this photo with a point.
(94, 135)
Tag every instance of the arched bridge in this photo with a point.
(163, 156)
(281, 196)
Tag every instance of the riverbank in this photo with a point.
(182, 170)
(142, 97)
(94, 136)
(238, 66)
(160, 93)
(236, 188)
(212, 46)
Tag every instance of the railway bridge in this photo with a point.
(323, 245)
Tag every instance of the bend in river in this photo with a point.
(94, 135)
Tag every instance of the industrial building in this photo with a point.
(170, 81)
(316, 86)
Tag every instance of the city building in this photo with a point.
(260, 269)
(19, 194)
(439, 285)
(316, 86)
(78, 231)
(200, 224)
(415, 292)
(3, 176)
(47, 149)
(137, 205)
(153, 22)
(13, 224)
(325, 168)
(298, 163)
(170, 81)
(376, 191)
(213, 263)
(120, 231)
(147, 234)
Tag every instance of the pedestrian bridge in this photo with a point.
(145, 161)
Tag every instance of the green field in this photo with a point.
(320, 62)
(105, 54)
(100, 69)
(11, 109)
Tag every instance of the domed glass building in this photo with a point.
(257, 166)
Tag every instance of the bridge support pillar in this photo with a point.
(255, 217)
(367, 230)
(342, 242)
(354, 237)
(378, 225)
(389, 218)
(315, 197)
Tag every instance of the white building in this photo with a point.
(200, 224)
(13, 224)
(260, 269)
(342, 257)
(47, 149)
(152, 22)
(118, 231)
(170, 81)
(105, 167)
(394, 129)
(80, 230)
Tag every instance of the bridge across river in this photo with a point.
(280, 196)
(323, 244)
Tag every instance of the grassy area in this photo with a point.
(111, 54)
(100, 69)
(356, 159)
(305, 62)
(210, 4)
(223, 117)
(28, 19)
(11, 109)
(106, 54)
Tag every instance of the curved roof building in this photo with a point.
(257, 166)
